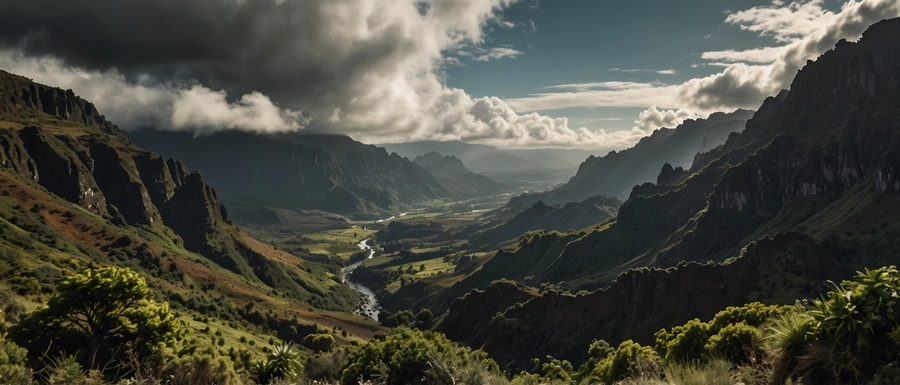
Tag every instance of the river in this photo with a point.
(368, 304)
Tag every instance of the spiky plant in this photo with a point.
(283, 363)
(786, 339)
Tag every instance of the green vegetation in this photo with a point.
(412, 357)
(103, 316)
(283, 363)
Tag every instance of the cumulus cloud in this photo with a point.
(652, 119)
(786, 23)
(206, 110)
(369, 68)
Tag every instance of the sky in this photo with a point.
(593, 74)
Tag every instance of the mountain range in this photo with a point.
(616, 173)
(331, 173)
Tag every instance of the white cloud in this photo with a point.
(652, 119)
(375, 70)
(498, 53)
(203, 110)
(612, 85)
(631, 70)
(485, 54)
(757, 55)
(786, 24)
(745, 86)
(646, 94)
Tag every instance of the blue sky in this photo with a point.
(597, 74)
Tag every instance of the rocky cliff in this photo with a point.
(514, 324)
(60, 142)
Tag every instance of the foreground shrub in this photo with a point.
(730, 334)
(105, 317)
(13, 369)
(406, 356)
(283, 363)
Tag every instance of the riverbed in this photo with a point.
(368, 304)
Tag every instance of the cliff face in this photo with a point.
(514, 324)
(59, 141)
(306, 171)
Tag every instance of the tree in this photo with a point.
(108, 311)
(424, 319)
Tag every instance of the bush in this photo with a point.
(283, 363)
(624, 362)
(12, 364)
(105, 316)
(319, 342)
(405, 356)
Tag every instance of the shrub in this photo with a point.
(406, 355)
(282, 363)
(12, 364)
(319, 342)
(624, 362)
(106, 315)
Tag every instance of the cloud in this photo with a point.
(627, 95)
(369, 68)
(746, 86)
(660, 72)
(486, 54)
(785, 23)
(652, 119)
(612, 85)
(204, 110)
(498, 53)
(762, 55)
(748, 76)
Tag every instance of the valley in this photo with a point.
(748, 246)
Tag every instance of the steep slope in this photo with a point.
(617, 172)
(326, 172)
(572, 216)
(77, 193)
(514, 324)
(454, 175)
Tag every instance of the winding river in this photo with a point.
(368, 304)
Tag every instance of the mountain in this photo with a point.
(807, 192)
(535, 169)
(512, 322)
(454, 175)
(76, 193)
(332, 173)
(572, 216)
(617, 172)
